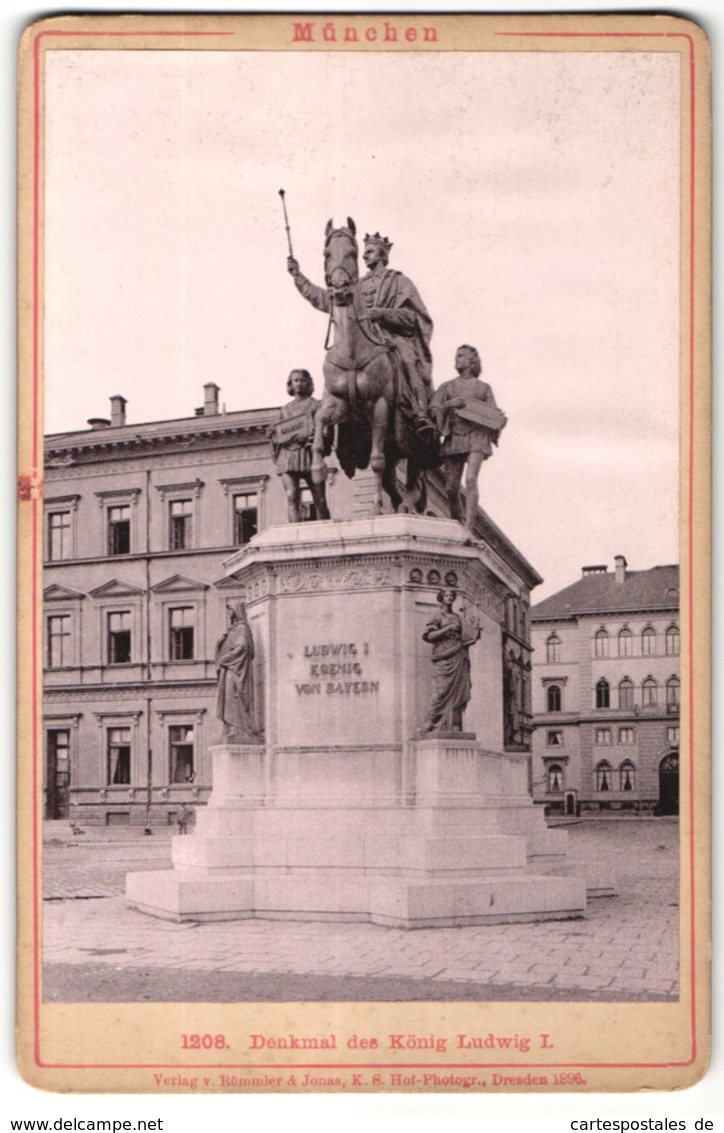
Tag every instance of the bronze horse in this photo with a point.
(361, 387)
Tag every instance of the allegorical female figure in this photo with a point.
(451, 639)
(291, 439)
(234, 662)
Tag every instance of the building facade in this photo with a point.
(606, 692)
(138, 523)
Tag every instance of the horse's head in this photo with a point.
(341, 269)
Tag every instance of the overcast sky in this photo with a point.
(533, 198)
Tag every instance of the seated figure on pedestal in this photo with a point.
(451, 637)
(291, 439)
(234, 662)
(470, 422)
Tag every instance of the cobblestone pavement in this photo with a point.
(95, 948)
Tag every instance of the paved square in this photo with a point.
(97, 949)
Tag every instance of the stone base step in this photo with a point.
(398, 901)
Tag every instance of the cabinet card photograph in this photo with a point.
(364, 495)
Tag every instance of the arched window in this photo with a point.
(553, 648)
(627, 776)
(672, 692)
(555, 777)
(648, 642)
(626, 693)
(601, 643)
(672, 641)
(625, 643)
(649, 693)
(553, 698)
(603, 694)
(603, 775)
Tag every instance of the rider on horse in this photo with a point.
(393, 303)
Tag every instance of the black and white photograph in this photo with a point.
(367, 367)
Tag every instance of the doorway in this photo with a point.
(669, 784)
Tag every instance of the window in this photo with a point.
(61, 527)
(672, 641)
(181, 633)
(627, 776)
(554, 738)
(59, 642)
(59, 536)
(553, 698)
(625, 643)
(601, 643)
(649, 693)
(119, 638)
(603, 694)
(603, 736)
(554, 776)
(626, 736)
(245, 504)
(672, 693)
(119, 755)
(603, 776)
(180, 524)
(626, 694)
(648, 642)
(181, 749)
(59, 754)
(181, 503)
(246, 516)
(119, 529)
(672, 734)
(553, 648)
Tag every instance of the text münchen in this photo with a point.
(333, 32)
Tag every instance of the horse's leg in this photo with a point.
(378, 462)
(322, 419)
(389, 481)
(415, 487)
(318, 472)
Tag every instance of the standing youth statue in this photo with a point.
(451, 637)
(470, 422)
(234, 663)
(291, 439)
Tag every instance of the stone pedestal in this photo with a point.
(339, 814)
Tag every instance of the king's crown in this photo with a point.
(375, 238)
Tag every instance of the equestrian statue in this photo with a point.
(377, 369)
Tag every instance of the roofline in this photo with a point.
(109, 436)
(615, 610)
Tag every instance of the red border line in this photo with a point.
(598, 34)
(134, 34)
(692, 356)
(35, 593)
(34, 568)
(361, 1065)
